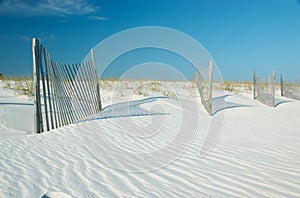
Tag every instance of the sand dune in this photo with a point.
(151, 147)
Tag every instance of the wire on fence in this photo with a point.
(64, 93)
(290, 89)
(264, 89)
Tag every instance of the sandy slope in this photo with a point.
(256, 155)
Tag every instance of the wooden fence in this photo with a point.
(264, 89)
(64, 93)
(204, 82)
(290, 89)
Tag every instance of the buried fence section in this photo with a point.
(264, 89)
(64, 93)
(290, 89)
(204, 80)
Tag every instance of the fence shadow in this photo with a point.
(279, 101)
(16, 104)
(126, 109)
(219, 104)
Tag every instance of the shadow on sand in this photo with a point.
(219, 104)
(127, 109)
(281, 101)
(16, 104)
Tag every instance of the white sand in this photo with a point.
(256, 155)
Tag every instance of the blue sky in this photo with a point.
(239, 34)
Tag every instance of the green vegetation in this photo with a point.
(22, 85)
(238, 87)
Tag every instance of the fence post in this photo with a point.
(36, 85)
(281, 85)
(254, 84)
(97, 85)
(210, 81)
(197, 68)
(273, 88)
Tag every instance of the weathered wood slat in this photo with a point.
(48, 88)
(44, 89)
(97, 81)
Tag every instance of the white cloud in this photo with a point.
(46, 37)
(98, 18)
(47, 7)
(26, 38)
